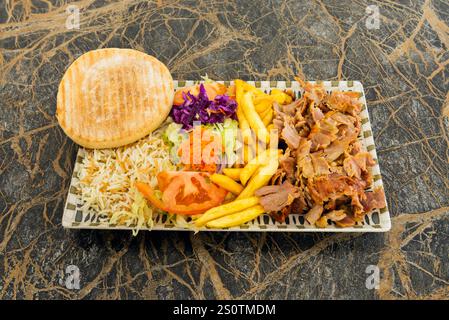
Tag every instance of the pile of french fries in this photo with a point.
(260, 158)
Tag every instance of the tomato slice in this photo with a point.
(164, 178)
(212, 90)
(148, 193)
(184, 192)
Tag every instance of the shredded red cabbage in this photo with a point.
(201, 109)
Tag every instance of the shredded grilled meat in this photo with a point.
(324, 171)
(314, 214)
(276, 197)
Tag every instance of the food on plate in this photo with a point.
(226, 209)
(261, 177)
(212, 89)
(268, 118)
(248, 87)
(280, 97)
(243, 122)
(265, 112)
(106, 179)
(184, 192)
(112, 97)
(226, 183)
(262, 104)
(323, 173)
(253, 117)
(200, 171)
(275, 196)
(204, 155)
(252, 166)
(203, 108)
(203, 147)
(248, 153)
(237, 219)
(233, 173)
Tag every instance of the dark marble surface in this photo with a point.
(403, 66)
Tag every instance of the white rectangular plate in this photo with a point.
(375, 221)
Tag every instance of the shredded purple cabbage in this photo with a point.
(201, 109)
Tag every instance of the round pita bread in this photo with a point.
(112, 97)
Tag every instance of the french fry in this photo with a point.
(276, 91)
(243, 122)
(248, 153)
(233, 173)
(227, 183)
(239, 90)
(280, 96)
(263, 98)
(268, 118)
(252, 166)
(274, 134)
(244, 126)
(225, 209)
(247, 87)
(260, 147)
(253, 117)
(276, 95)
(237, 219)
(261, 178)
(240, 162)
(264, 113)
(262, 159)
(287, 96)
(262, 105)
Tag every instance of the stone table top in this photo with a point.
(401, 56)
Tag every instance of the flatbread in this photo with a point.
(112, 97)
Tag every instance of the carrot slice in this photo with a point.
(148, 193)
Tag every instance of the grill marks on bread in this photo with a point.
(112, 97)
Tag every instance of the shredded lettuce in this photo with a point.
(140, 215)
(228, 131)
(173, 137)
(173, 134)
